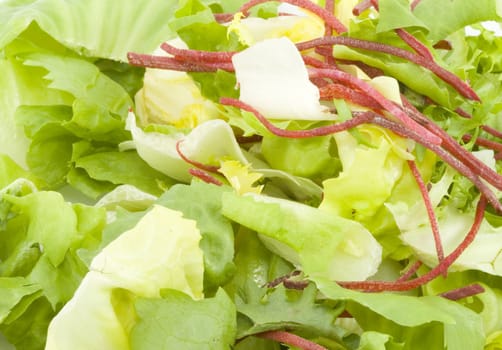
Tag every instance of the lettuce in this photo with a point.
(430, 321)
(347, 194)
(121, 272)
(321, 243)
(41, 235)
(288, 93)
(94, 34)
(162, 260)
(180, 312)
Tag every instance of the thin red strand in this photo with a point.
(291, 339)
(361, 7)
(414, 4)
(329, 19)
(198, 55)
(457, 164)
(410, 272)
(415, 44)
(462, 87)
(452, 146)
(430, 209)
(201, 174)
(331, 91)
(463, 292)
(396, 111)
(380, 286)
(206, 167)
(481, 141)
(320, 131)
(170, 63)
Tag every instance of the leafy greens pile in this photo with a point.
(202, 174)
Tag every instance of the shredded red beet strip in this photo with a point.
(319, 82)
(370, 71)
(448, 158)
(415, 44)
(325, 51)
(329, 19)
(371, 117)
(463, 292)
(380, 286)
(492, 131)
(410, 272)
(414, 4)
(459, 111)
(409, 39)
(320, 131)
(352, 81)
(481, 141)
(331, 91)
(463, 88)
(361, 7)
(316, 63)
(201, 174)
(223, 17)
(206, 167)
(329, 6)
(455, 149)
(430, 209)
(291, 339)
(488, 129)
(170, 63)
(198, 56)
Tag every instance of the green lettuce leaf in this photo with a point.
(349, 194)
(439, 19)
(430, 321)
(170, 322)
(40, 235)
(400, 69)
(309, 157)
(321, 243)
(293, 310)
(396, 14)
(124, 168)
(202, 202)
(444, 18)
(160, 252)
(88, 27)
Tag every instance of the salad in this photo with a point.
(249, 174)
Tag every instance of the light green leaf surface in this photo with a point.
(172, 322)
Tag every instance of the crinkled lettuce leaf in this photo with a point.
(443, 19)
(88, 27)
(350, 194)
(483, 254)
(400, 69)
(202, 202)
(321, 243)
(170, 322)
(416, 322)
(41, 234)
(439, 19)
(313, 158)
(486, 304)
(161, 251)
